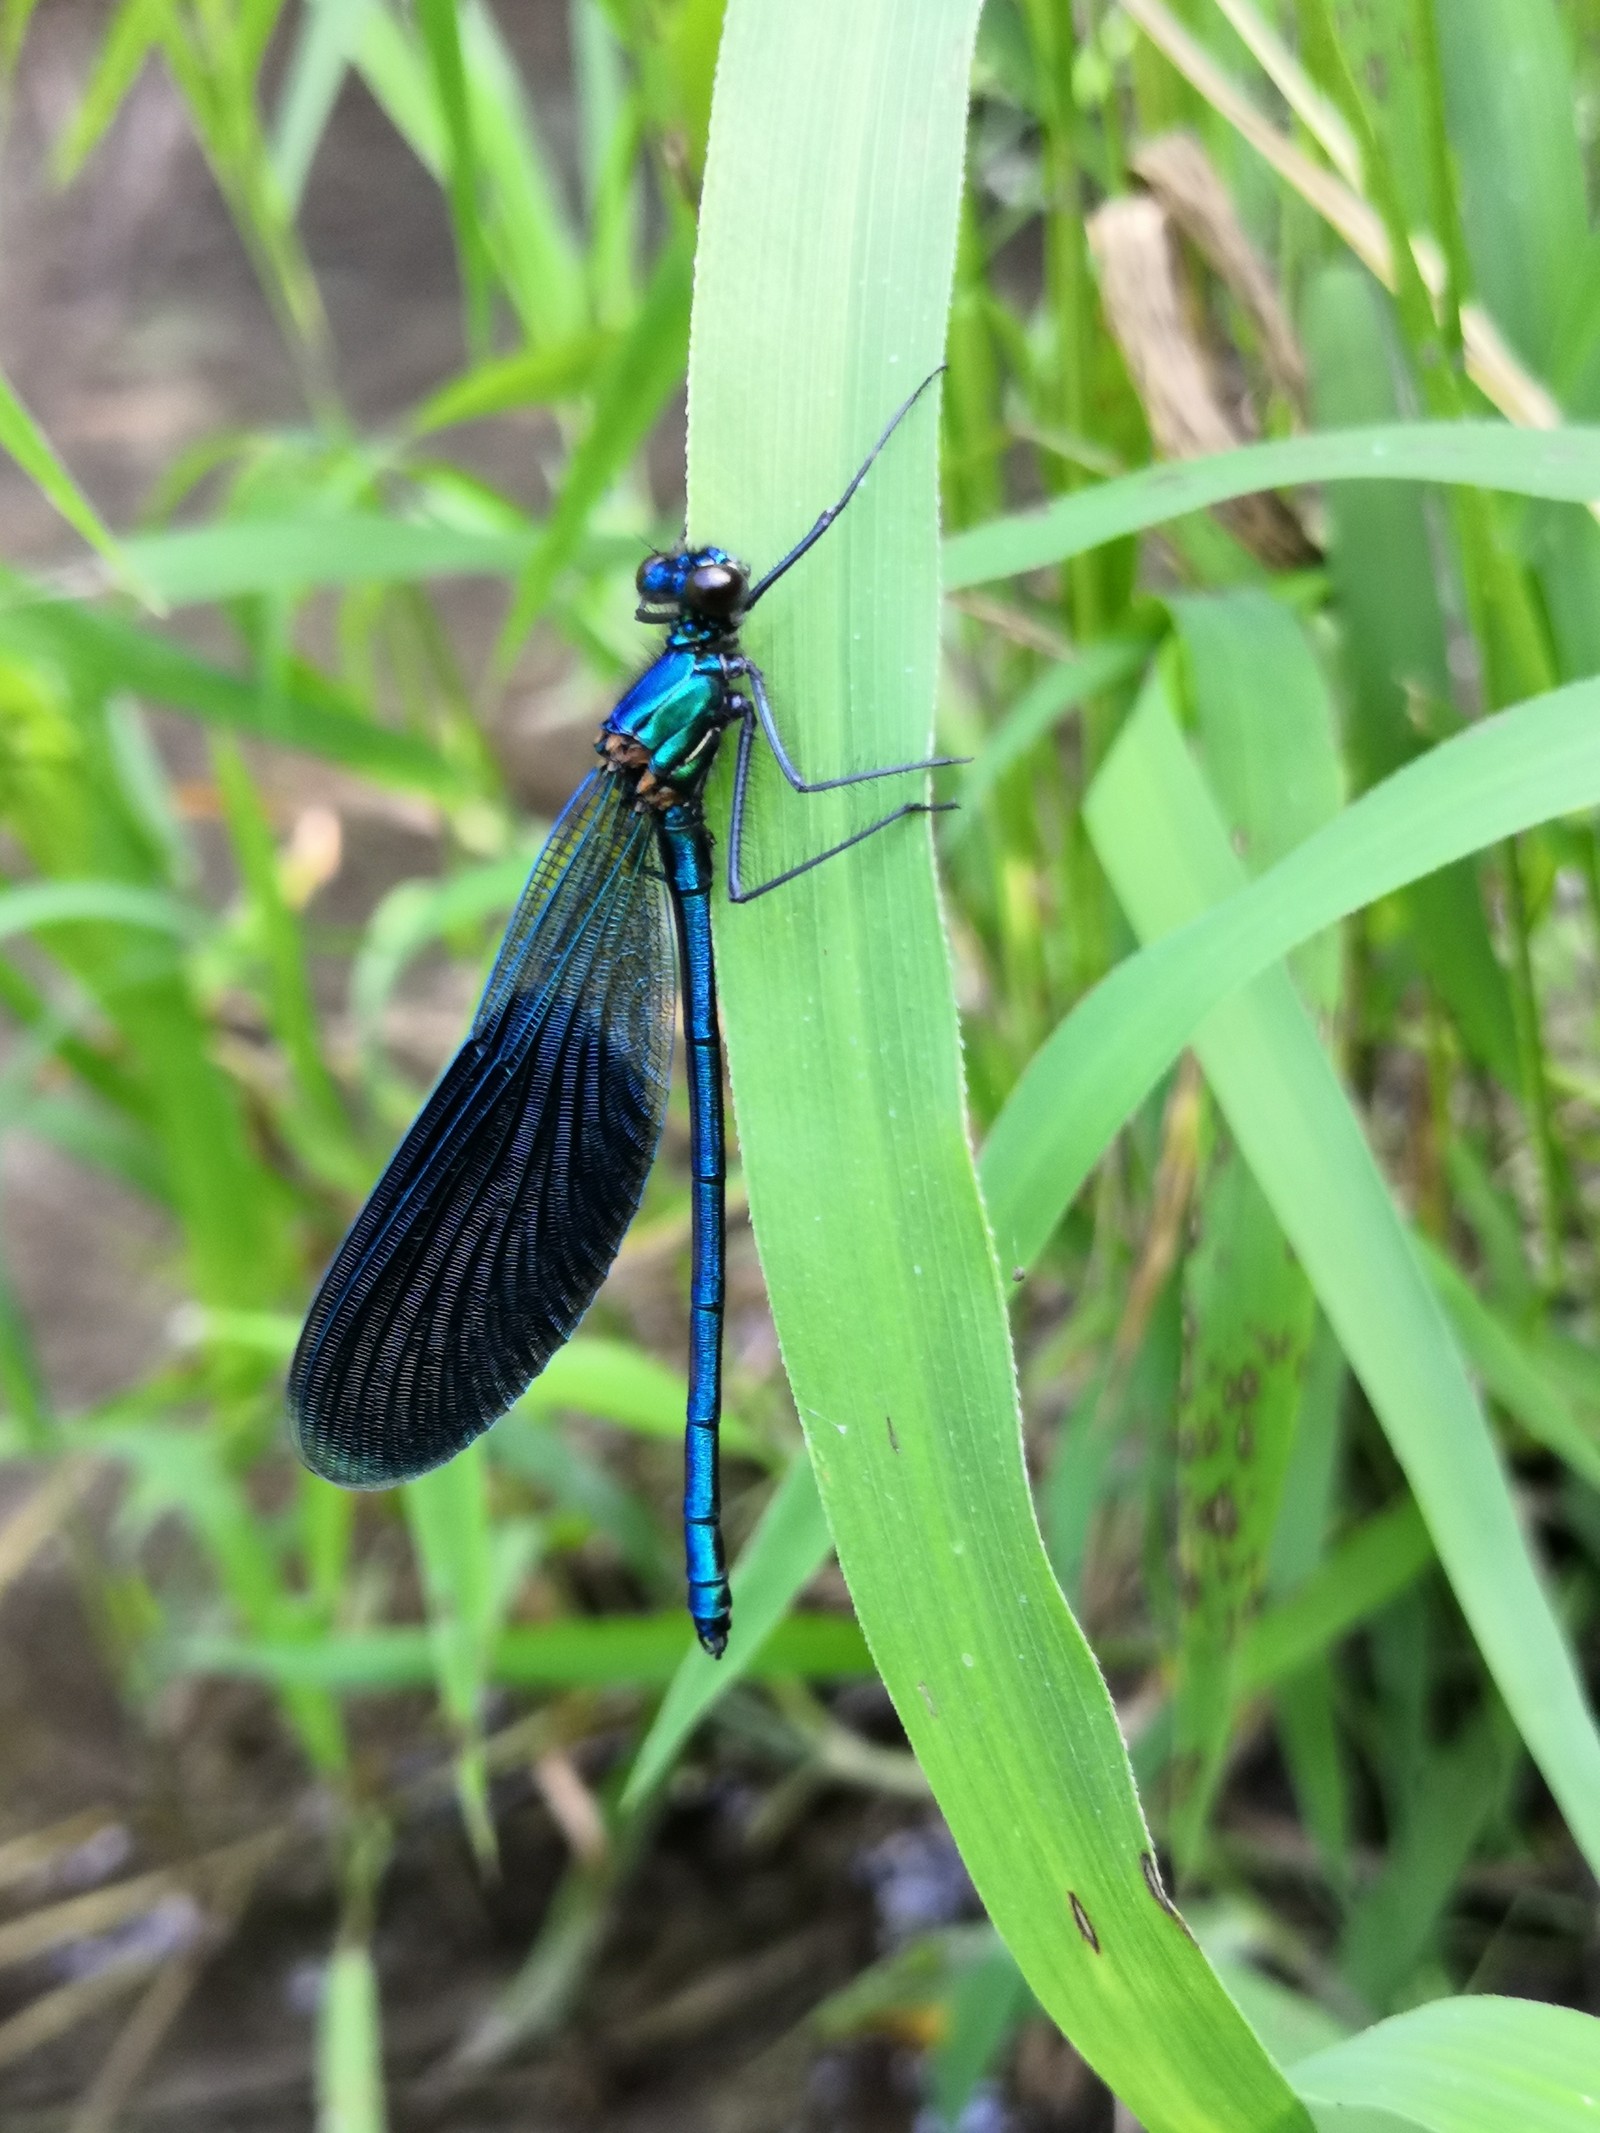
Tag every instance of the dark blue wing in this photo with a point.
(486, 1238)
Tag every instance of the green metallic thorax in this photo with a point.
(674, 711)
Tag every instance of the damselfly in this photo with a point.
(494, 1225)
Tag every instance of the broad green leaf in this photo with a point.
(1160, 839)
(1560, 464)
(1480, 2065)
(1535, 762)
(843, 126)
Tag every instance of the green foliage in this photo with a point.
(1300, 1331)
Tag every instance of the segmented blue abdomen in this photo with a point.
(687, 851)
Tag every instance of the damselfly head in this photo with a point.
(705, 581)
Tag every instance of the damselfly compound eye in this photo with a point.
(715, 589)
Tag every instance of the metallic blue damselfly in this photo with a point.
(485, 1240)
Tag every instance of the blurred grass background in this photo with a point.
(364, 330)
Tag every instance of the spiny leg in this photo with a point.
(737, 892)
(747, 670)
(826, 520)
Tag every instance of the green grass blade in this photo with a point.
(438, 23)
(1479, 2065)
(1162, 842)
(279, 940)
(1519, 160)
(350, 2045)
(1369, 1568)
(448, 1512)
(1531, 764)
(54, 903)
(526, 221)
(786, 1550)
(325, 38)
(1512, 1372)
(24, 441)
(293, 553)
(827, 244)
(103, 654)
(1058, 690)
(1459, 1791)
(643, 368)
(1248, 1309)
(535, 378)
(610, 1379)
(132, 34)
(1392, 642)
(609, 1651)
(1560, 464)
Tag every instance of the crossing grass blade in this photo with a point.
(1166, 849)
(22, 438)
(786, 1550)
(827, 244)
(1466, 2066)
(1563, 465)
(101, 653)
(1531, 764)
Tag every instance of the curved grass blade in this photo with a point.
(1166, 850)
(225, 558)
(784, 1553)
(105, 655)
(1527, 765)
(30, 904)
(1563, 465)
(1467, 2066)
(23, 440)
(827, 246)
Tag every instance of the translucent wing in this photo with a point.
(486, 1238)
